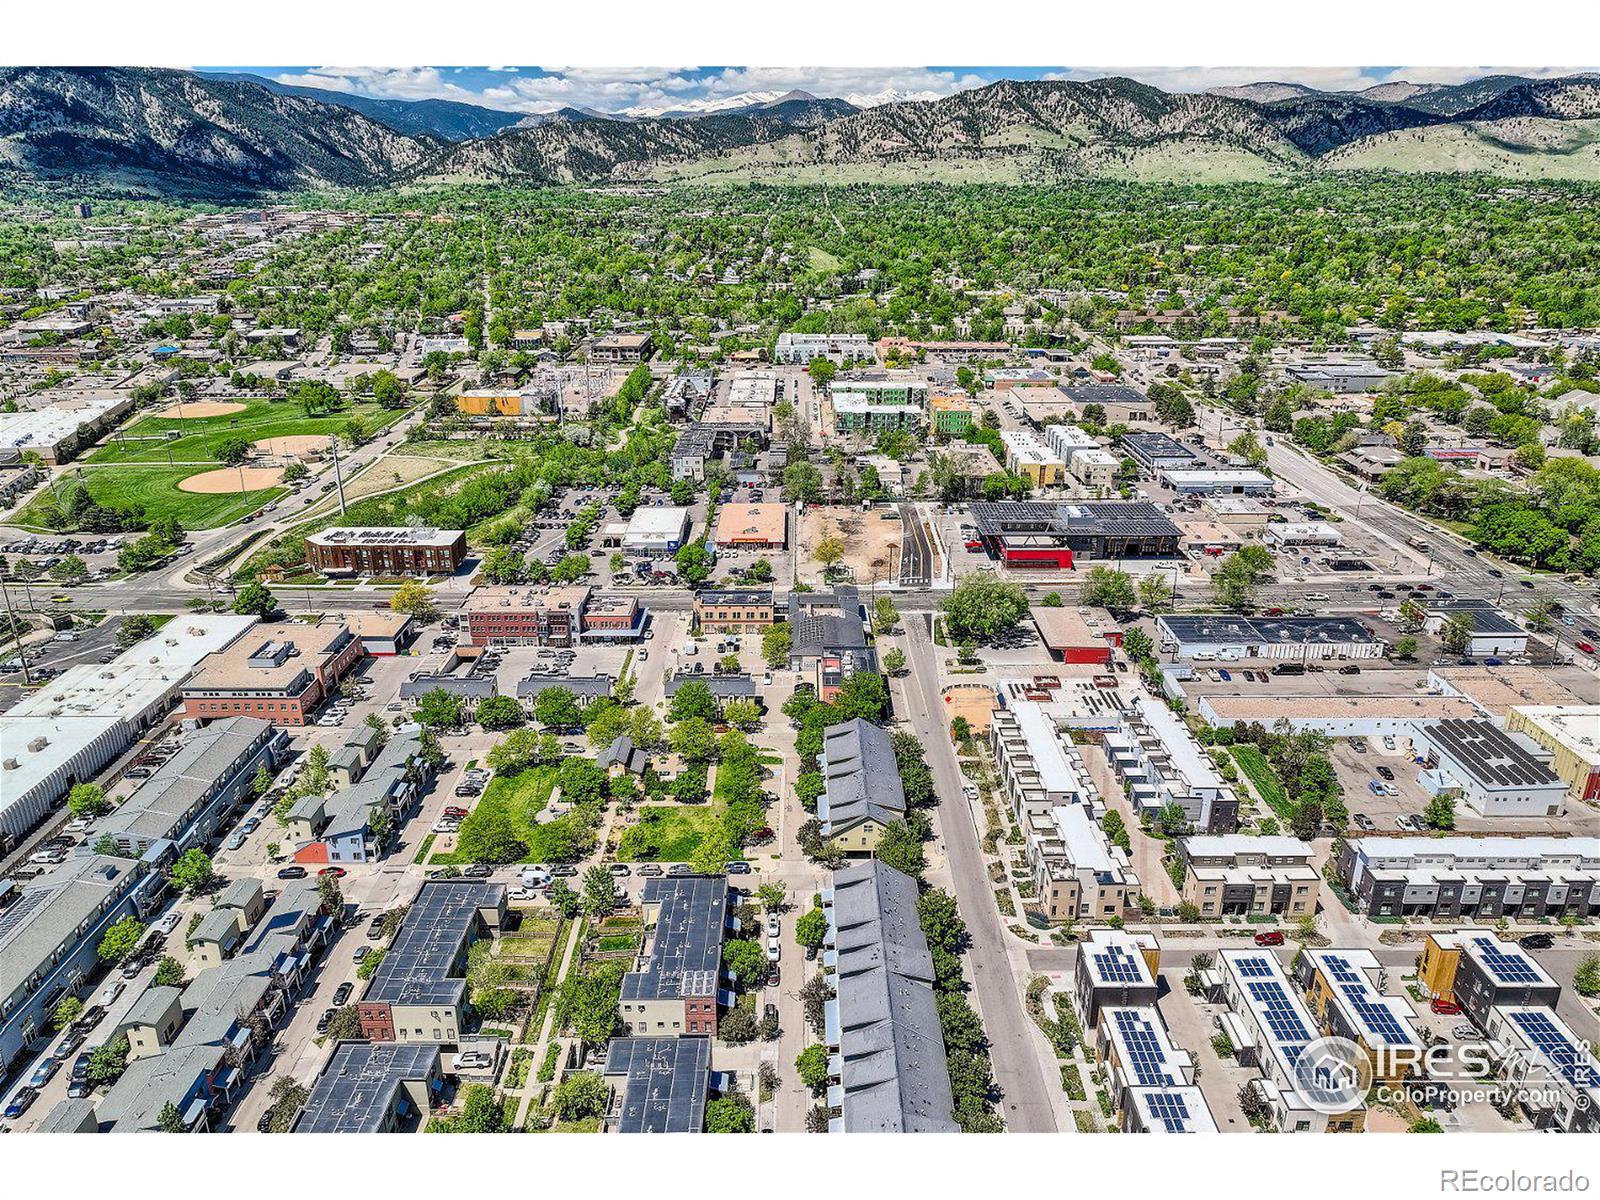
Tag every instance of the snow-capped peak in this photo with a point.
(892, 96)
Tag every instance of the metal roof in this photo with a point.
(1489, 755)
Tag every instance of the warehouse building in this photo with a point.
(1216, 481)
(1368, 716)
(1497, 774)
(1570, 734)
(1229, 638)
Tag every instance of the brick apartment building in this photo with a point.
(277, 673)
(363, 550)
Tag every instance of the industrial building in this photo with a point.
(886, 1062)
(1497, 774)
(1070, 638)
(1571, 736)
(1492, 632)
(1293, 638)
(1365, 715)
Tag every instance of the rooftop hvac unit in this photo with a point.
(38, 744)
(12, 764)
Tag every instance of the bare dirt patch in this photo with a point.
(226, 481)
(193, 410)
(871, 543)
(294, 445)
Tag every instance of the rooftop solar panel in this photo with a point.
(1566, 1056)
(1379, 1021)
(1506, 963)
(666, 1082)
(1147, 1058)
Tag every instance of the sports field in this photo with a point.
(197, 440)
(156, 490)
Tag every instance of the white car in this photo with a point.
(1316, 595)
(109, 993)
(774, 948)
(65, 637)
(169, 922)
(523, 893)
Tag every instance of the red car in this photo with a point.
(331, 873)
(1270, 938)
(1445, 1008)
(1586, 647)
(454, 810)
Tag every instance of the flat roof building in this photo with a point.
(1234, 637)
(1239, 875)
(373, 1087)
(656, 530)
(1031, 534)
(675, 989)
(386, 550)
(1473, 878)
(1554, 1074)
(281, 674)
(753, 526)
(1498, 774)
(1480, 971)
(1153, 753)
(1570, 734)
(661, 1084)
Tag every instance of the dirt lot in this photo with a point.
(227, 480)
(872, 543)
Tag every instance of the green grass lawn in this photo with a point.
(200, 436)
(155, 489)
(520, 797)
(678, 832)
(1264, 779)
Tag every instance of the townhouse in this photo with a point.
(1159, 763)
(1237, 875)
(1473, 878)
(675, 988)
(862, 792)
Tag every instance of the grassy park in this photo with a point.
(149, 440)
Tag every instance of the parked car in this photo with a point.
(1463, 1032)
(1362, 821)
(324, 1021)
(620, 869)
(1385, 773)
(1445, 1008)
(44, 1072)
(361, 953)
(1536, 941)
(774, 948)
(1271, 937)
(478, 871)
(109, 993)
(473, 1060)
(563, 871)
(342, 993)
(20, 1103)
(679, 869)
(291, 872)
(651, 869)
(738, 867)
(331, 873)
(264, 1122)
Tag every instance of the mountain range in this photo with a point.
(167, 131)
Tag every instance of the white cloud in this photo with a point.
(389, 83)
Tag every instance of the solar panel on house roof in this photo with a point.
(1353, 986)
(418, 967)
(1147, 1057)
(1566, 1056)
(1489, 753)
(1506, 964)
(1115, 965)
(687, 947)
(1172, 1111)
(1255, 968)
(666, 1083)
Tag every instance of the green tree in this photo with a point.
(120, 940)
(600, 895)
(170, 1120)
(1586, 979)
(693, 740)
(439, 709)
(811, 927)
(775, 644)
(66, 1012)
(254, 600)
(487, 835)
(108, 1061)
(812, 1064)
(885, 615)
(169, 972)
(567, 901)
(894, 660)
(745, 960)
(70, 570)
(1456, 633)
(829, 552)
(984, 607)
(581, 1094)
(87, 800)
(498, 712)
(743, 714)
(415, 600)
(1155, 593)
(693, 700)
(730, 1114)
(134, 629)
(694, 564)
(1440, 813)
(192, 872)
(1109, 588)
(901, 849)
(233, 451)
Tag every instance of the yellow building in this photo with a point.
(1343, 995)
(1030, 458)
(1571, 732)
(490, 404)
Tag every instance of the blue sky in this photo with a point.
(644, 90)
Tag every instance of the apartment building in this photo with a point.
(674, 989)
(886, 1060)
(1270, 1027)
(1480, 971)
(798, 349)
(1158, 760)
(419, 990)
(658, 1084)
(1152, 1080)
(1345, 991)
(386, 550)
(622, 348)
(354, 823)
(1078, 873)
(734, 610)
(862, 792)
(373, 1087)
(951, 416)
(1551, 1071)
(1028, 456)
(281, 675)
(1571, 735)
(1237, 875)
(1473, 878)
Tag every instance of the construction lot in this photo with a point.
(871, 541)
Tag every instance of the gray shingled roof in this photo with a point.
(894, 1076)
(863, 779)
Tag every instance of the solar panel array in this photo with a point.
(1506, 964)
(1353, 986)
(1565, 1055)
(1489, 753)
(1147, 1057)
(686, 952)
(1115, 964)
(418, 967)
(1171, 1110)
(667, 1078)
(357, 1089)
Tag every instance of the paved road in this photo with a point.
(1026, 1102)
(916, 551)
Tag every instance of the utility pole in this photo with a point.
(16, 639)
(338, 477)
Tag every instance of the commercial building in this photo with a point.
(1497, 774)
(1158, 453)
(1473, 878)
(526, 616)
(281, 675)
(386, 550)
(1159, 762)
(49, 935)
(188, 801)
(657, 530)
(1491, 631)
(1122, 404)
(1029, 534)
(1552, 1072)
(828, 638)
(1339, 378)
(1028, 456)
(1217, 481)
(622, 348)
(1270, 1028)
(1571, 736)
(57, 433)
(752, 526)
(798, 349)
(1237, 875)
(734, 610)
(659, 1084)
(373, 1087)
(1292, 638)
(1495, 691)
(419, 989)
(1068, 637)
(862, 790)
(886, 1062)
(1478, 970)
(1344, 991)
(382, 634)
(674, 989)
(1291, 534)
(1364, 715)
